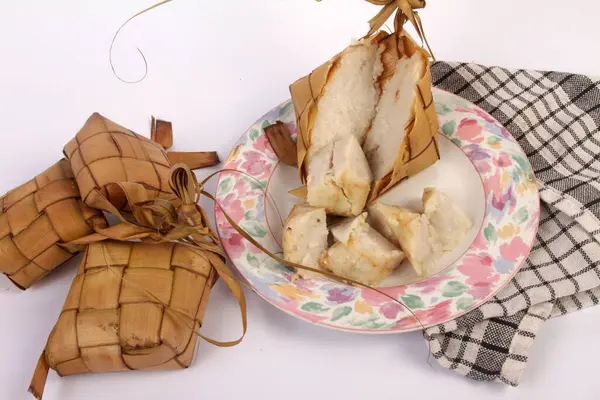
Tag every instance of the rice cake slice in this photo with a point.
(446, 218)
(305, 237)
(339, 179)
(361, 253)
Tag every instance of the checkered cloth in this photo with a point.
(555, 117)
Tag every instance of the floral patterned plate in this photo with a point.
(482, 168)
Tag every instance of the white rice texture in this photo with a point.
(395, 112)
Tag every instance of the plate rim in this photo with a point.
(388, 331)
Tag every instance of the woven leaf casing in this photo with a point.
(103, 152)
(114, 318)
(37, 219)
(418, 150)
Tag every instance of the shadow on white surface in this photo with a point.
(63, 273)
(6, 286)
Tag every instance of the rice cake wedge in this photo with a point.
(343, 230)
(361, 253)
(394, 113)
(339, 179)
(305, 237)
(350, 96)
(377, 218)
(402, 139)
(416, 236)
(337, 99)
(448, 220)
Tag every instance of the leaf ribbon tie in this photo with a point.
(405, 10)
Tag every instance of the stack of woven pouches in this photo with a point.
(140, 293)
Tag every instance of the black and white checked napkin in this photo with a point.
(556, 119)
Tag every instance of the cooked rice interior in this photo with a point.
(395, 112)
(347, 105)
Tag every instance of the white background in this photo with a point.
(214, 68)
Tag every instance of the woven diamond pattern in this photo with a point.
(37, 219)
(103, 152)
(115, 318)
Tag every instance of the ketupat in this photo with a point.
(337, 99)
(409, 143)
(103, 152)
(38, 219)
(138, 305)
(402, 78)
(131, 306)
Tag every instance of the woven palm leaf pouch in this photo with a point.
(140, 294)
(38, 220)
(115, 317)
(103, 152)
(397, 81)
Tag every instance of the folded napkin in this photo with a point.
(555, 117)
